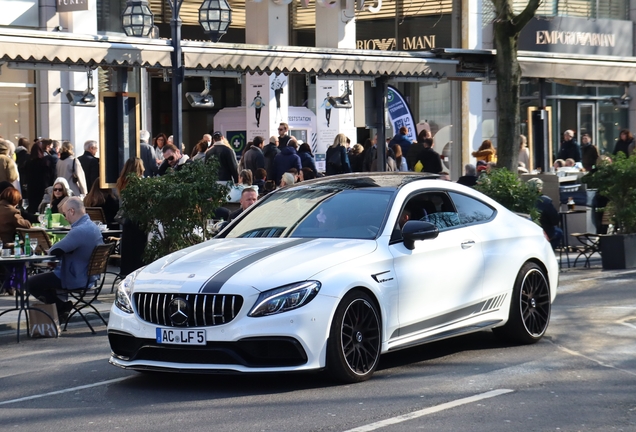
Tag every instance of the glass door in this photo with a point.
(586, 120)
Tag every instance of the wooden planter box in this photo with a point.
(618, 251)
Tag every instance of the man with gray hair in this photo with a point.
(147, 154)
(90, 163)
(470, 176)
(74, 251)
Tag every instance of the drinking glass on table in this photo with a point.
(25, 203)
(41, 219)
(34, 245)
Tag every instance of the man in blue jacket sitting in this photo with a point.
(74, 252)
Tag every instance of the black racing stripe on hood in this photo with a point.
(216, 282)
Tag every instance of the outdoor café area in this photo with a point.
(27, 316)
(579, 220)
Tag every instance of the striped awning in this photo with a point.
(314, 61)
(40, 47)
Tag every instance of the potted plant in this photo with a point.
(174, 208)
(507, 189)
(615, 181)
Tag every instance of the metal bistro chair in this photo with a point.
(96, 214)
(84, 297)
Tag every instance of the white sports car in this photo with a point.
(331, 273)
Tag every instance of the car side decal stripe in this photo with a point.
(217, 280)
(457, 315)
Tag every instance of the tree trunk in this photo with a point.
(508, 81)
(506, 28)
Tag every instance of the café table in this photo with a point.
(19, 266)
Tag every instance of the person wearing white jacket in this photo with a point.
(71, 169)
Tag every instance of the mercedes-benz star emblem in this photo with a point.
(179, 309)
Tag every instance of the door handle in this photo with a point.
(468, 244)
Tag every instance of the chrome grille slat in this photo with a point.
(223, 310)
(205, 321)
(213, 307)
(204, 311)
(196, 321)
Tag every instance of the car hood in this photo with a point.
(242, 265)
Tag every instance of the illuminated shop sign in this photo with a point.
(578, 36)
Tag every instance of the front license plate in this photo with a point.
(180, 336)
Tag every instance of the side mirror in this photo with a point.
(415, 230)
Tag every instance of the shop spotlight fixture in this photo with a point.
(137, 20)
(84, 98)
(203, 99)
(342, 101)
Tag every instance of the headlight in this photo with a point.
(122, 297)
(285, 298)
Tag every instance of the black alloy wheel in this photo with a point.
(355, 339)
(530, 306)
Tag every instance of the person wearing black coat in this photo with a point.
(337, 159)
(430, 159)
(39, 176)
(622, 145)
(269, 152)
(569, 147)
(253, 158)
(307, 157)
(90, 163)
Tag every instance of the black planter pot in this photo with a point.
(618, 251)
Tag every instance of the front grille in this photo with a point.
(205, 309)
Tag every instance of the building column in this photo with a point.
(472, 92)
(266, 96)
(334, 29)
(57, 119)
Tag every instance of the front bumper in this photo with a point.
(290, 341)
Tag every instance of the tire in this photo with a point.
(355, 339)
(530, 307)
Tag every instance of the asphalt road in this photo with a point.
(580, 377)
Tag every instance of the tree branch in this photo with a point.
(520, 21)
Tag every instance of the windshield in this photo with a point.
(313, 213)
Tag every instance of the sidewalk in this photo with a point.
(9, 321)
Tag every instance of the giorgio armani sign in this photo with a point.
(578, 36)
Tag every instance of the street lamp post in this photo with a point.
(177, 73)
(215, 16)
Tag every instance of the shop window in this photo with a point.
(17, 111)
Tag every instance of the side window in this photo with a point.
(470, 210)
(433, 207)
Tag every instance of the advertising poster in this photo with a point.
(258, 102)
(279, 98)
(330, 121)
(400, 113)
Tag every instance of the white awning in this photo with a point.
(71, 49)
(577, 68)
(314, 61)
